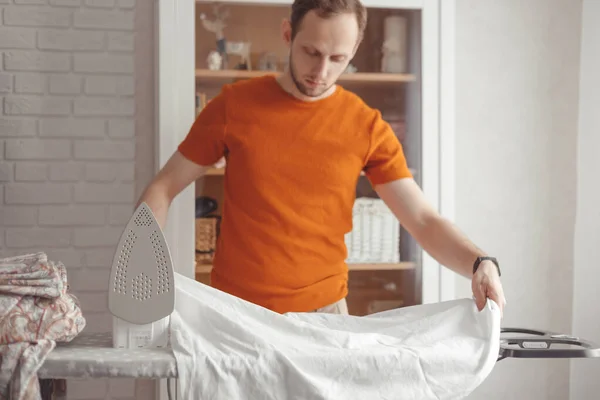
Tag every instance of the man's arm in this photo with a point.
(438, 236)
(175, 176)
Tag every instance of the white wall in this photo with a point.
(586, 322)
(517, 80)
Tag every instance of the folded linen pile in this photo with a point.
(36, 311)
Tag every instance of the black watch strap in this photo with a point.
(486, 258)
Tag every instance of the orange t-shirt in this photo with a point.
(290, 185)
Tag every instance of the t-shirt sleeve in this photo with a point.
(205, 141)
(385, 160)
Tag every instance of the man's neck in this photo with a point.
(287, 83)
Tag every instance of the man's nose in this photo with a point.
(321, 68)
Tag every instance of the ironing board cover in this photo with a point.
(91, 355)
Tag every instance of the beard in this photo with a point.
(316, 92)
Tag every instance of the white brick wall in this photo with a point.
(67, 144)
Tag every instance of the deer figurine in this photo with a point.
(218, 24)
(224, 47)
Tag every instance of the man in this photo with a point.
(295, 146)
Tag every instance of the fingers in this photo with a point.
(495, 293)
(483, 290)
(502, 302)
(480, 295)
(499, 299)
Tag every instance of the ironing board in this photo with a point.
(92, 355)
(533, 343)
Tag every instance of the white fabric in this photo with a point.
(227, 348)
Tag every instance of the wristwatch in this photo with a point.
(480, 259)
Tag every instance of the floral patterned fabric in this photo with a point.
(36, 311)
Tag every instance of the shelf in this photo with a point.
(382, 266)
(215, 171)
(206, 268)
(412, 171)
(208, 75)
(203, 268)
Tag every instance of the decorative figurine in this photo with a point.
(214, 60)
(243, 50)
(268, 62)
(224, 47)
(217, 26)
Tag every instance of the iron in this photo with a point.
(141, 293)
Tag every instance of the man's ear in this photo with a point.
(286, 32)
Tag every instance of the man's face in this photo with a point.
(321, 51)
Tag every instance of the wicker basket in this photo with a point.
(375, 236)
(206, 238)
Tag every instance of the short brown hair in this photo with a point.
(328, 8)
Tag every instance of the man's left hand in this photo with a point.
(486, 284)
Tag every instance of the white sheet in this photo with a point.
(227, 348)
